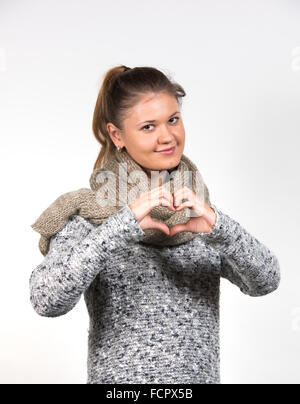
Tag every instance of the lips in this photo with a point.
(166, 150)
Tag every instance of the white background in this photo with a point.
(239, 63)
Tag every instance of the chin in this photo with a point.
(171, 167)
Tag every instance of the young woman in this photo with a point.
(149, 267)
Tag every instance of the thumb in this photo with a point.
(177, 229)
(158, 225)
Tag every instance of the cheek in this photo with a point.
(144, 144)
(148, 143)
(181, 137)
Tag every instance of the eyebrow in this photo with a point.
(153, 120)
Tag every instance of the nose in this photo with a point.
(165, 136)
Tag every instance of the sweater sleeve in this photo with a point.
(75, 257)
(245, 261)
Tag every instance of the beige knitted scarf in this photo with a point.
(118, 183)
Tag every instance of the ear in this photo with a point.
(115, 134)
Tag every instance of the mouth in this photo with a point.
(167, 151)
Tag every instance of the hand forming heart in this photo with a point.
(204, 217)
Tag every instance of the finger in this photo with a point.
(187, 204)
(163, 201)
(159, 201)
(177, 229)
(179, 201)
(162, 191)
(163, 197)
(160, 226)
(185, 191)
(181, 194)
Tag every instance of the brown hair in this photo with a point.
(121, 89)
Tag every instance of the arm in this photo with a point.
(245, 261)
(76, 255)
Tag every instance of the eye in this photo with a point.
(174, 117)
(146, 127)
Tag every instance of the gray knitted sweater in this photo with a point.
(154, 311)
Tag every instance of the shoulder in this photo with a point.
(78, 223)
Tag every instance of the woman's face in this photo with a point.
(144, 139)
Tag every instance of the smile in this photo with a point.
(168, 151)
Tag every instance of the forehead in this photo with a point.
(153, 106)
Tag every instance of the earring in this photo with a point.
(118, 147)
